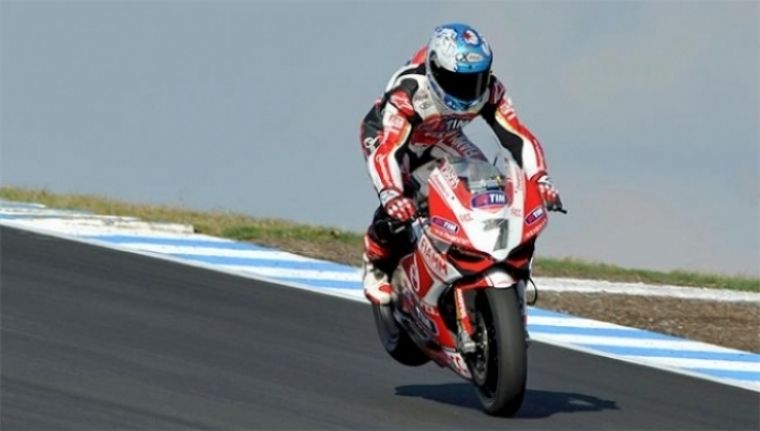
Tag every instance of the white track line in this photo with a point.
(641, 289)
(222, 252)
(601, 340)
(296, 273)
(99, 224)
(573, 321)
(711, 364)
(754, 386)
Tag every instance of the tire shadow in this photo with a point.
(537, 403)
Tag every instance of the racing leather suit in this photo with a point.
(410, 126)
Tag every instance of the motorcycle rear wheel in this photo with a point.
(500, 365)
(394, 338)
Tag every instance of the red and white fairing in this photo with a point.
(479, 217)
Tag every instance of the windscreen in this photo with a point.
(486, 185)
(479, 176)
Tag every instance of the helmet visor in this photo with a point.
(462, 85)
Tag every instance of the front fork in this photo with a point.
(521, 287)
(465, 328)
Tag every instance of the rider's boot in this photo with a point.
(377, 288)
(375, 281)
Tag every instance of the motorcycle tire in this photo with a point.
(500, 384)
(394, 338)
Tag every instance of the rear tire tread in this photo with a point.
(399, 345)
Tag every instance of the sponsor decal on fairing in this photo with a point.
(450, 175)
(442, 235)
(445, 224)
(414, 276)
(489, 199)
(432, 258)
(535, 215)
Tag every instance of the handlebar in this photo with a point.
(557, 207)
(396, 226)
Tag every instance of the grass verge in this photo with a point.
(345, 246)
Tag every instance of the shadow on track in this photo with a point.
(537, 404)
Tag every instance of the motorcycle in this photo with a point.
(459, 292)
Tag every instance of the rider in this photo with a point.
(444, 86)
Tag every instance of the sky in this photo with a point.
(648, 111)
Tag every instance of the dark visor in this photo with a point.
(463, 86)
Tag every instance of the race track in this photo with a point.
(101, 339)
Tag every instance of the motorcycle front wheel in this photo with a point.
(499, 367)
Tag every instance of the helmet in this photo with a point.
(458, 65)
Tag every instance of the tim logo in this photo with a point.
(443, 125)
(489, 200)
(535, 215)
(446, 224)
(454, 124)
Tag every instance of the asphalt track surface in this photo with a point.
(100, 339)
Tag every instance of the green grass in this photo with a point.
(345, 246)
(290, 231)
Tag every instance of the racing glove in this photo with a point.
(549, 193)
(397, 205)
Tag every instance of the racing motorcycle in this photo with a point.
(459, 290)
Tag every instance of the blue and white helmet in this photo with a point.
(458, 65)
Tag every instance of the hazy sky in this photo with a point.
(648, 111)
